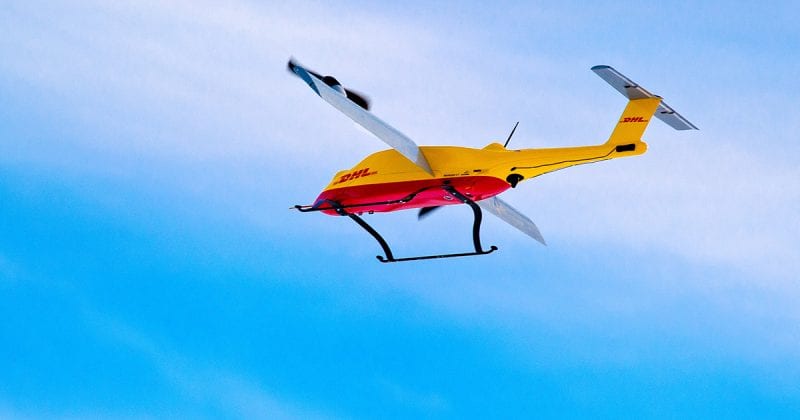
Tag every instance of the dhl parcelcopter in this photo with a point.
(409, 176)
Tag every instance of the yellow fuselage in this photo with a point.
(479, 173)
(388, 181)
(389, 166)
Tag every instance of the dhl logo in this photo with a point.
(359, 173)
(633, 119)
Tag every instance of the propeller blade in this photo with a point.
(425, 211)
(512, 216)
(359, 98)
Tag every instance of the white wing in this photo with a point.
(512, 216)
(364, 118)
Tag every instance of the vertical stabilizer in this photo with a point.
(634, 121)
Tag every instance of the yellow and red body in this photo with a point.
(477, 173)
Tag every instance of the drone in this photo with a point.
(408, 176)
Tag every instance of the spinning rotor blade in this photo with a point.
(359, 98)
(425, 211)
(355, 106)
(512, 216)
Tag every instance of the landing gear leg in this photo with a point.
(389, 257)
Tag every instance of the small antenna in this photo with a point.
(512, 133)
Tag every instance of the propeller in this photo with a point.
(354, 106)
(358, 98)
(425, 211)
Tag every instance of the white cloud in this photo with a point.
(710, 205)
(165, 74)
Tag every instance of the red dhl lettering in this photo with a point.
(633, 119)
(358, 173)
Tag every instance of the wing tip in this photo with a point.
(292, 65)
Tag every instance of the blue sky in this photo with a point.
(150, 267)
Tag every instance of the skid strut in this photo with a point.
(389, 257)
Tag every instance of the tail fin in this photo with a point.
(642, 106)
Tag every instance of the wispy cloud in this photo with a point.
(204, 383)
(153, 68)
(232, 393)
(718, 206)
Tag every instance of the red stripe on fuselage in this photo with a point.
(426, 193)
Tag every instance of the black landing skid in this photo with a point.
(343, 211)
